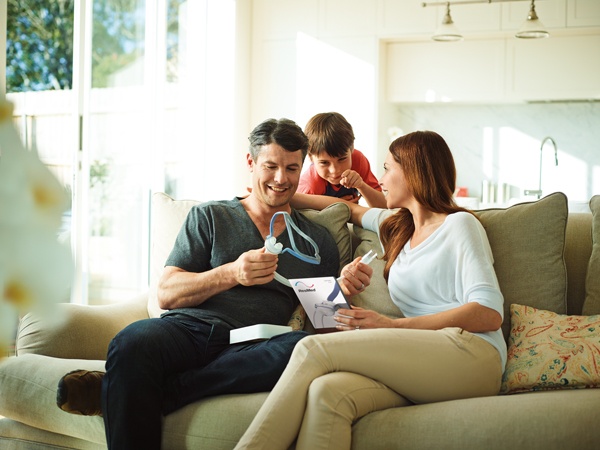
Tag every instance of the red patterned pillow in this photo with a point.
(551, 351)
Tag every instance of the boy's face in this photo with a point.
(331, 168)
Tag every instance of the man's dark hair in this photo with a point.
(283, 132)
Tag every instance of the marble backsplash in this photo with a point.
(499, 145)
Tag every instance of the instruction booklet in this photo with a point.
(321, 298)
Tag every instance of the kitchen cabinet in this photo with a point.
(468, 71)
(583, 13)
(398, 18)
(563, 67)
(558, 68)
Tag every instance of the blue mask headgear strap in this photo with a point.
(272, 246)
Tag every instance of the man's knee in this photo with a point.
(136, 338)
(288, 340)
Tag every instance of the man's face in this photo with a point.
(275, 174)
(331, 168)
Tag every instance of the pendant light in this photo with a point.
(447, 31)
(533, 28)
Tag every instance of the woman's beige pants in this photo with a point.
(334, 379)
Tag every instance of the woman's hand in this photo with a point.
(361, 319)
(355, 277)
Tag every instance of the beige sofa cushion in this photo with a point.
(592, 282)
(29, 384)
(528, 241)
(168, 215)
(376, 296)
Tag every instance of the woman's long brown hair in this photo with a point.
(430, 174)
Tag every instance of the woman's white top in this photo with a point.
(450, 268)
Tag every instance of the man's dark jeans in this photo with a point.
(156, 366)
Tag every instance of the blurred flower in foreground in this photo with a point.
(35, 269)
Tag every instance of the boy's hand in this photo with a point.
(351, 179)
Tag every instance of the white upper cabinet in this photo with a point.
(583, 13)
(467, 71)
(557, 68)
(562, 67)
(401, 18)
(347, 18)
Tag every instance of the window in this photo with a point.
(113, 95)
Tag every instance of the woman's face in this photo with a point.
(393, 183)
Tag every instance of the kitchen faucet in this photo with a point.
(538, 192)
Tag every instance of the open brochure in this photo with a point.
(321, 298)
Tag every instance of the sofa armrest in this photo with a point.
(78, 331)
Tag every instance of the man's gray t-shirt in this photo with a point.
(217, 233)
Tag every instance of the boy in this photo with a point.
(337, 169)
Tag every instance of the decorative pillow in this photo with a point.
(592, 281)
(551, 351)
(168, 215)
(528, 241)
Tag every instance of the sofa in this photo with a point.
(548, 265)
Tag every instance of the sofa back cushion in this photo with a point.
(592, 282)
(168, 215)
(376, 296)
(527, 241)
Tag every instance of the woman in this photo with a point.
(439, 270)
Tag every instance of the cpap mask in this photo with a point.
(276, 248)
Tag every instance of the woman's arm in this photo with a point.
(472, 317)
(320, 202)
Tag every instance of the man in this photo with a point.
(218, 277)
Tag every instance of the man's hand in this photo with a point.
(255, 267)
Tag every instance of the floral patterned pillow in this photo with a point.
(551, 351)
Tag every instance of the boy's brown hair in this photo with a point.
(329, 132)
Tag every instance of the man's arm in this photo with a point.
(178, 288)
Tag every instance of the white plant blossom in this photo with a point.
(35, 269)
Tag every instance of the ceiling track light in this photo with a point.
(532, 28)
